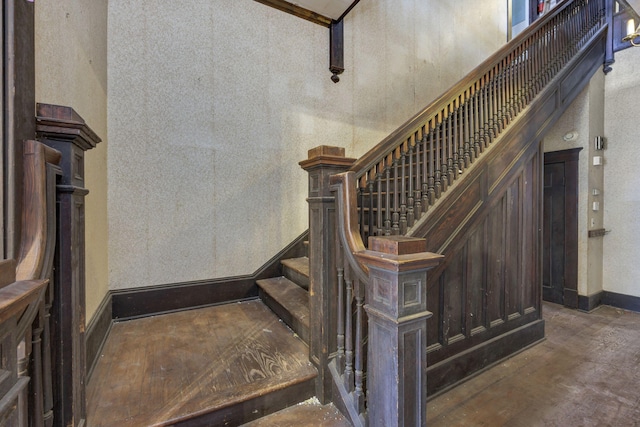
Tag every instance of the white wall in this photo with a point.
(212, 103)
(71, 70)
(622, 175)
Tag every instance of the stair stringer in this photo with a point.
(486, 294)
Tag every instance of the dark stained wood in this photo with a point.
(18, 107)
(336, 50)
(298, 11)
(221, 365)
(583, 373)
(321, 164)
(62, 129)
(7, 272)
(297, 270)
(289, 301)
(152, 300)
(442, 102)
(97, 332)
(397, 311)
(562, 230)
(627, 302)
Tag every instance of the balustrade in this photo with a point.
(369, 341)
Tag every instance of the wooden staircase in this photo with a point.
(287, 295)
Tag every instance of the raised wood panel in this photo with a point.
(488, 276)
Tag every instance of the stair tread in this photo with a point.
(301, 265)
(204, 364)
(289, 295)
(309, 413)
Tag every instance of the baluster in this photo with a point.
(426, 172)
(387, 220)
(451, 161)
(403, 193)
(348, 345)
(370, 182)
(441, 143)
(340, 356)
(379, 201)
(359, 390)
(34, 370)
(361, 191)
(47, 373)
(417, 197)
(410, 199)
(434, 184)
(477, 137)
(395, 219)
(468, 153)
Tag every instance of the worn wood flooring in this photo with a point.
(586, 373)
(166, 369)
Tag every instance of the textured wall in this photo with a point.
(212, 104)
(622, 175)
(71, 69)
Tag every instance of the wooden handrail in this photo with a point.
(388, 144)
(343, 184)
(35, 242)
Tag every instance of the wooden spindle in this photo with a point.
(403, 193)
(359, 348)
(372, 202)
(395, 218)
(417, 197)
(340, 355)
(387, 199)
(410, 195)
(348, 331)
(378, 204)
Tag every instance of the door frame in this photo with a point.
(570, 158)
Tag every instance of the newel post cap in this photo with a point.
(326, 155)
(399, 254)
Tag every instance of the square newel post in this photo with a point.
(396, 303)
(323, 162)
(63, 129)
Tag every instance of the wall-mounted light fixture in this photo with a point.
(633, 32)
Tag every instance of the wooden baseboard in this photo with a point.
(130, 304)
(625, 302)
(97, 332)
(589, 303)
(452, 371)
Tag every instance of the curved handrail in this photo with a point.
(347, 220)
(35, 239)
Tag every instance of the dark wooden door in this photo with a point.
(560, 228)
(554, 233)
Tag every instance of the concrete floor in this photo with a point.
(586, 373)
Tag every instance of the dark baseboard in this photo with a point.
(141, 302)
(452, 371)
(589, 303)
(97, 332)
(625, 302)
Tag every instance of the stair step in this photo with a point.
(216, 366)
(297, 270)
(289, 301)
(306, 414)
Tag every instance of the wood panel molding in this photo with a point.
(614, 299)
(152, 300)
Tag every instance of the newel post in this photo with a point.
(396, 303)
(323, 161)
(62, 128)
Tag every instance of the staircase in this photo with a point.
(464, 174)
(287, 295)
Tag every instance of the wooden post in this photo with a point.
(63, 129)
(323, 162)
(397, 310)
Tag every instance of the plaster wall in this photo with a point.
(622, 176)
(71, 70)
(212, 106)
